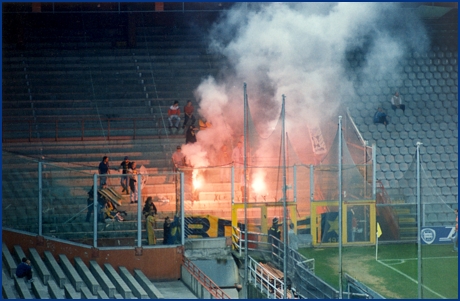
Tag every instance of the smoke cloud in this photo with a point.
(299, 50)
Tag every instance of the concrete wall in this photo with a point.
(159, 263)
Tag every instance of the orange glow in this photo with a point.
(258, 185)
(197, 180)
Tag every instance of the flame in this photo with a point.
(258, 185)
(197, 180)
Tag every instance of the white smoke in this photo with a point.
(299, 50)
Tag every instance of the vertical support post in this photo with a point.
(182, 209)
(95, 212)
(245, 128)
(285, 236)
(40, 198)
(340, 206)
(139, 217)
(232, 175)
(419, 216)
(312, 184)
(374, 171)
(294, 171)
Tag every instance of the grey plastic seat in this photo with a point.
(380, 159)
(385, 151)
(434, 126)
(445, 157)
(390, 143)
(379, 174)
(450, 183)
(430, 119)
(403, 150)
(445, 190)
(376, 135)
(453, 141)
(444, 141)
(440, 182)
(435, 174)
(431, 166)
(421, 119)
(430, 150)
(384, 167)
(413, 135)
(425, 157)
(394, 150)
(389, 159)
(445, 173)
(398, 142)
(435, 158)
(389, 175)
(447, 148)
(385, 135)
(403, 135)
(399, 159)
(380, 143)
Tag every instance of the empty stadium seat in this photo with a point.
(440, 182)
(403, 150)
(408, 158)
(445, 173)
(384, 167)
(435, 174)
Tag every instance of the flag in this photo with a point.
(379, 231)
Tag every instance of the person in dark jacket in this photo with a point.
(167, 231)
(24, 269)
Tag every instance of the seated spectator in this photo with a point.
(396, 102)
(149, 206)
(380, 117)
(189, 118)
(112, 213)
(174, 115)
(24, 269)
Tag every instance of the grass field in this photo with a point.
(394, 274)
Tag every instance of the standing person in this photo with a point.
(125, 165)
(189, 118)
(100, 204)
(274, 232)
(174, 116)
(167, 231)
(149, 206)
(292, 238)
(190, 136)
(380, 116)
(103, 170)
(133, 183)
(455, 238)
(396, 102)
(178, 159)
(24, 269)
(151, 228)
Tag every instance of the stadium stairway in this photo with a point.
(63, 278)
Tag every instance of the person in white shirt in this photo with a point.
(396, 102)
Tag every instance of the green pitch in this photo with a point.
(394, 274)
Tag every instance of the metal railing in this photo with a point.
(269, 284)
(204, 280)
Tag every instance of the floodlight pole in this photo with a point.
(419, 232)
(340, 206)
(285, 236)
(246, 257)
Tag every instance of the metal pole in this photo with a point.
(139, 217)
(312, 184)
(285, 236)
(294, 171)
(419, 216)
(182, 208)
(233, 183)
(374, 171)
(40, 199)
(95, 213)
(245, 97)
(340, 207)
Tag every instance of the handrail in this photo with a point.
(207, 283)
(269, 283)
